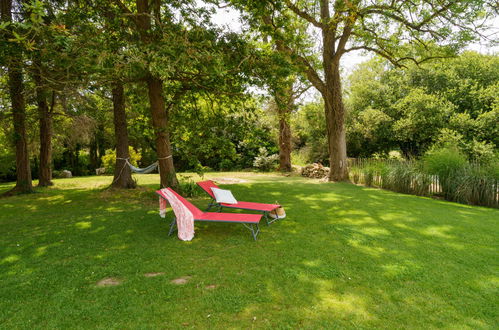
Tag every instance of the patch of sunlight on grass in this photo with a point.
(40, 251)
(398, 270)
(487, 282)
(342, 304)
(438, 231)
(99, 256)
(312, 263)
(363, 221)
(83, 224)
(373, 251)
(10, 259)
(101, 228)
(375, 231)
(52, 198)
(115, 209)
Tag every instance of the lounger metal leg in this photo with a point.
(267, 218)
(173, 224)
(212, 203)
(254, 229)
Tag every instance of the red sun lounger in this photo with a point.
(249, 221)
(264, 208)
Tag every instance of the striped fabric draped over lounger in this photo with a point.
(185, 218)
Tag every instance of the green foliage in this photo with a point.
(189, 188)
(264, 161)
(309, 129)
(222, 136)
(447, 163)
(444, 162)
(109, 159)
(412, 109)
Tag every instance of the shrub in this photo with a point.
(109, 159)
(189, 188)
(226, 165)
(448, 163)
(264, 161)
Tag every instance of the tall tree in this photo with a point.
(122, 173)
(400, 31)
(148, 33)
(285, 102)
(14, 64)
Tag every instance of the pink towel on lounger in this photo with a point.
(185, 219)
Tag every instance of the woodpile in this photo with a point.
(315, 170)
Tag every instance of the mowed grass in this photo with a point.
(345, 257)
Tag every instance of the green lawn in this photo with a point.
(346, 256)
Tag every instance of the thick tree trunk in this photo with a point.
(45, 118)
(16, 89)
(122, 173)
(285, 104)
(335, 123)
(159, 114)
(284, 145)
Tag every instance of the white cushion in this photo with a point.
(223, 196)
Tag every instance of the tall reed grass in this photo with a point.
(445, 173)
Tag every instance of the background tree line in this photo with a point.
(80, 78)
(412, 110)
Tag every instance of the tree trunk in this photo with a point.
(16, 89)
(122, 173)
(284, 145)
(45, 118)
(335, 123)
(285, 103)
(159, 114)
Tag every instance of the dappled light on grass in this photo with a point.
(83, 224)
(345, 256)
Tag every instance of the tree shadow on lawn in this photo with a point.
(345, 255)
(414, 256)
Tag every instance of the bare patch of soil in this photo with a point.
(211, 286)
(109, 281)
(181, 280)
(153, 274)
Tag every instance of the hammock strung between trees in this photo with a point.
(146, 170)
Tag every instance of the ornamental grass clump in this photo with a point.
(399, 177)
(449, 164)
(373, 173)
(478, 185)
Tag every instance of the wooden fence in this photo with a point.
(408, 176)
